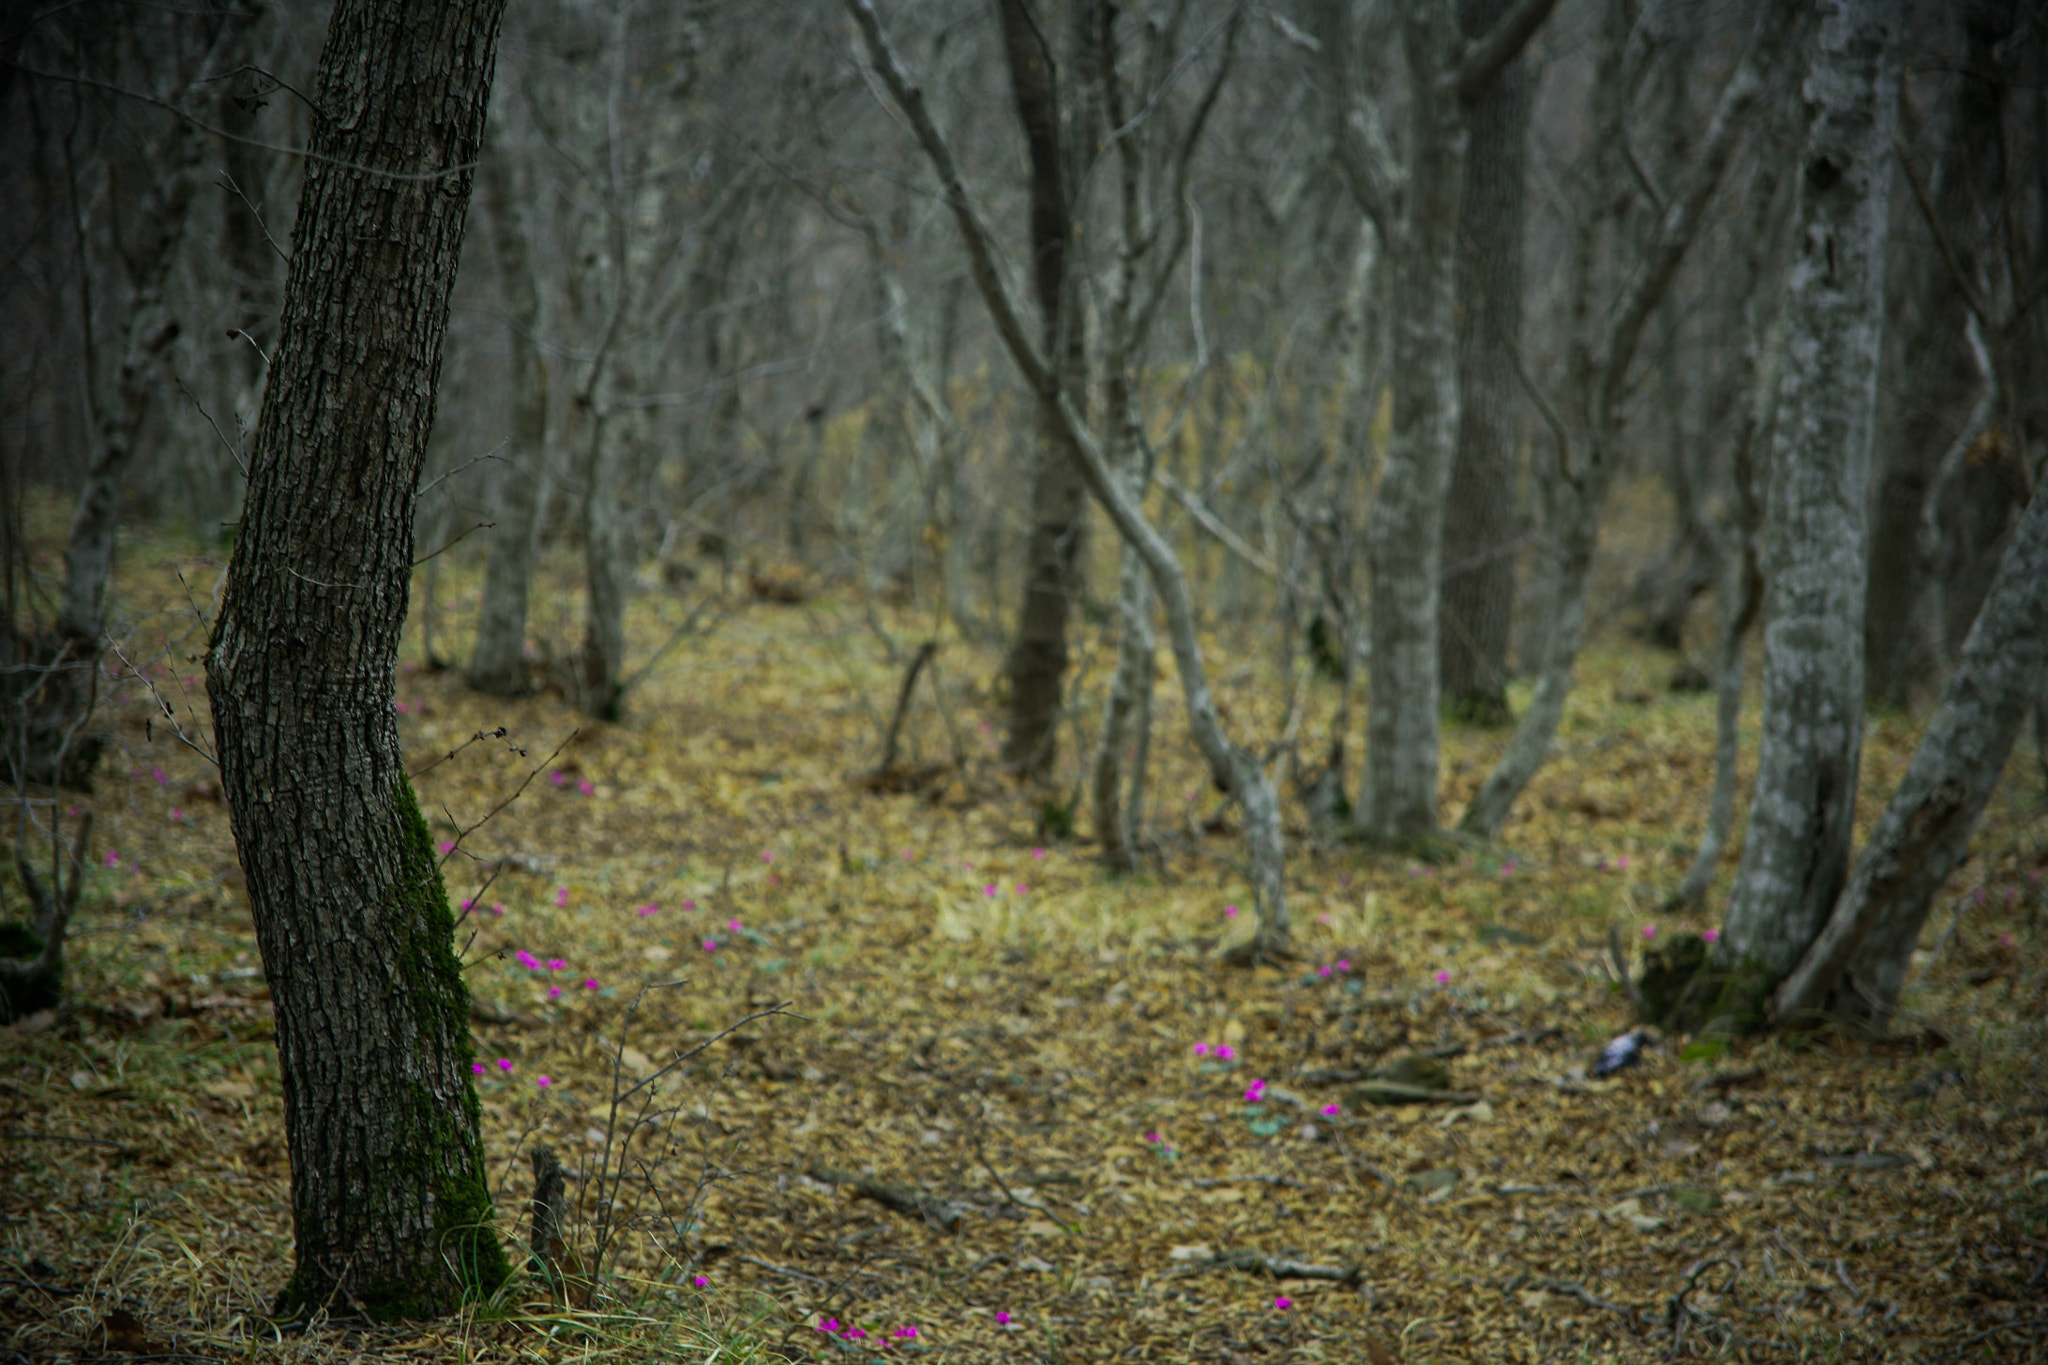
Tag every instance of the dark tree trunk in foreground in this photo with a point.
(1795, 853)
(390, 1205)
(1037, 663)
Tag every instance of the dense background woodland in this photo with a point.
(1029, 679)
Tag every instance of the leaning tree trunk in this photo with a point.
(497, 666)
(391, 1209)
(1855, 969)
(1795, 852)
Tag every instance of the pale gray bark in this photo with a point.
(1416, 207)
(1796, 847)
(1856, 966)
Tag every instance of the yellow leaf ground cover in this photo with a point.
(1002, 1105)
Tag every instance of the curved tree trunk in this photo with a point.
(391, 1209)
(1855, 969)
(1795, 852)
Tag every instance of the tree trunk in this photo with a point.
(1037, 662)
(497, 667)
(1575, 489)
(391, 1209)
(1796, 850)
(601, 661)
(1476, 620)
(1932, 375)
(1854, 970)
(1404, 532)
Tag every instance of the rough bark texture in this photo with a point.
(1037, 664)
(1480, 517)
(1796, 850)
(497, 666)
(390, 1205)
(1854, 970)
(1405, 529)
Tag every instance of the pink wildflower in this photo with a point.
(586, 787)
(1230, 912)
(1283, 1303)
(542, 1081)
(1443, 978)
(1649, 931)
(1331, 1111)
(556, 777)
(590, 984)
(1225, 1052)
(477, 1067)
(555, 964)
(562, 896)
(1201, 1049)
(504, 1063)
(1712, 936)
(710, 945)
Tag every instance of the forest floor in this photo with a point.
(965, 1010)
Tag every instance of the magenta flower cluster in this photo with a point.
(833, 1327)
(1222, 1052)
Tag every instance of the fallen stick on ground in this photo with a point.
(938, 1212)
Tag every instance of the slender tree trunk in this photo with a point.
(1480, 518)
(1855, 968)
(1742, 598)
(1796, 850)
(497, 667)
(1037, 663)
(391, 1208)
(149, 327)
(600, 663)
(1933, 375)
(1404, 533)
(1575, 489)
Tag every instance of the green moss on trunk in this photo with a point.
(463, 1259)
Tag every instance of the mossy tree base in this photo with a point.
(1685, 990)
